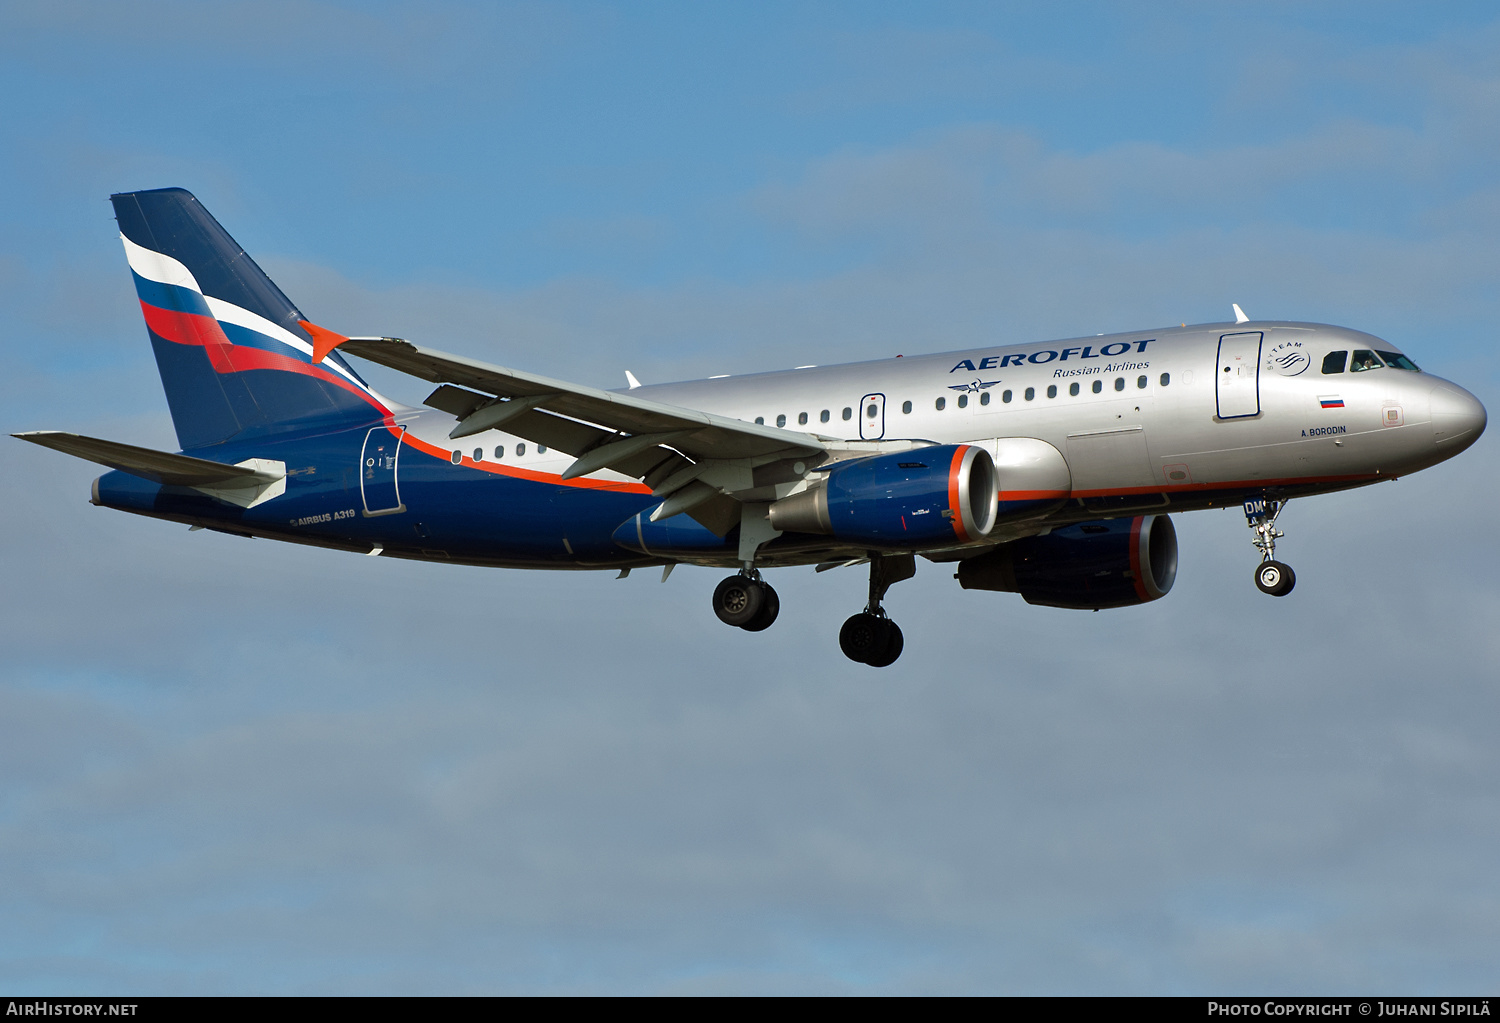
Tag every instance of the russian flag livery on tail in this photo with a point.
(1052, 477)
(235, 356)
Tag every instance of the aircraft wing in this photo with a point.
(601, 429)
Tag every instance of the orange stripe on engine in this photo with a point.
(959, 526)
(1135, 558)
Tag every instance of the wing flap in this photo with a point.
(704, 435)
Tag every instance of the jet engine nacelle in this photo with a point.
(1090, 565)
(911, 499)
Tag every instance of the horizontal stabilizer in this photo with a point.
(246, 484)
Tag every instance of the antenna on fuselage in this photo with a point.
(1239, 314)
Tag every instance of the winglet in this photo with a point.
(324, 340)
(1239, 314)
(631, 380)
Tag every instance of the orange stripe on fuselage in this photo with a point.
(1181, 488)
(580, 483)
(1031, 495)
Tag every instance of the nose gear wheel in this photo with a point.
(1271, 576)
(1275, 578)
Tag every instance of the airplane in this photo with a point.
(1049, 470)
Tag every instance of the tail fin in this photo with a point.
(235, 358)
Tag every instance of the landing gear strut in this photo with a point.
(746, 601)
(1271, 576)
(871, 637)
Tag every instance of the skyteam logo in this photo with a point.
(1288, 358)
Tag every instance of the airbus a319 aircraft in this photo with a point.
(1043, 469)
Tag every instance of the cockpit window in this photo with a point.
(1364, 359)
(1398, 361)
(1333, 362)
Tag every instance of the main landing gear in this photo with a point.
(1271, 575)
(871, 637)
(746, 601)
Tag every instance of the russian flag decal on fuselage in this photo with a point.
(1330, 401)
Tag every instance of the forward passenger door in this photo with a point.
(1237, 380)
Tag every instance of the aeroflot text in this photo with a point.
(1109, 351)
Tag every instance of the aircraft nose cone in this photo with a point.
(1457, 417)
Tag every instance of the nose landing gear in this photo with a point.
(871, 637)
(746, 602)
(1271, 576)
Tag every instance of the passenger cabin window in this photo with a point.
(1119, 383)
(1364, 359)
(1140, 382)
(1166, 378)
(479, 454)
(541, 449)
(458, 456)
(499, 452)
(940, 404)
(781, 420)
(1333, 362)
(984, 398)
(520, 450)
(1030, 393)
(1052, 390)
(823, 416)
(1005, 397)
(906, 407)
(1073, 390)
(872, 411)
(760, 420)
(1098, 386)
(801, 418)
(963, 401)
(1396, 360)
(848, 413)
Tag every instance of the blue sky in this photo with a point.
(233, 766)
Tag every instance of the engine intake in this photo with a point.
(910, 499)
(1090, 565)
